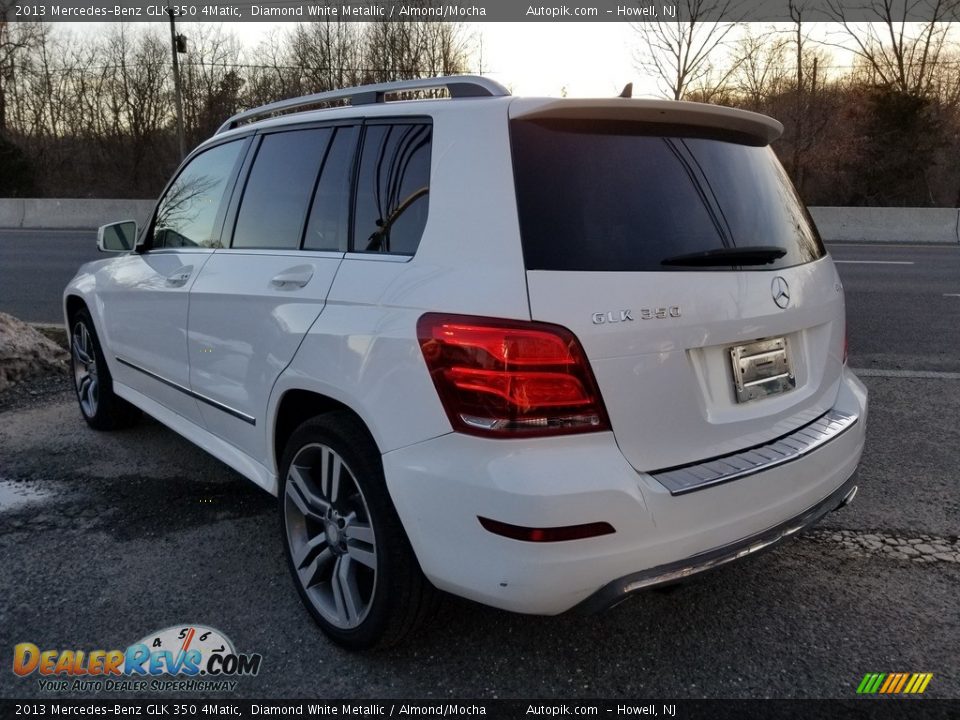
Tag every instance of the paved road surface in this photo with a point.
(35, 266)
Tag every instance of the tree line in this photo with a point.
(94, 116)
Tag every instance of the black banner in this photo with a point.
(878, 709)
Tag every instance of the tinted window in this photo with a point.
(329, 217)
(392, 188)
(186, 217)
(279, 188)
(601, 196)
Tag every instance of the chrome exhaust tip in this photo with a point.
(848, 498)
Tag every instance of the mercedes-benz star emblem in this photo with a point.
(780, 291)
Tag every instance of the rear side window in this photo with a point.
(604, 196)
(278, 191)
(187, 214)
(393, 187)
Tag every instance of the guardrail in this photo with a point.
(836, 224)
(80, 213)
(883, 224)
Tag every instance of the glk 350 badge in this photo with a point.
(616, 316)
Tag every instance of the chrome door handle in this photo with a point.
(292, 279)
(180, 277)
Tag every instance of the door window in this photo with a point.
(187, 214)
(278, 191)
(328, 226)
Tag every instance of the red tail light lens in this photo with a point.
(505, 378)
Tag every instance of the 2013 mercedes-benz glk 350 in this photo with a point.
(539, 353)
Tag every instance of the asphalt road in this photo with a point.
(35, 267)
(107, 537)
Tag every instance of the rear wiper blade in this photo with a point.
(756, 255)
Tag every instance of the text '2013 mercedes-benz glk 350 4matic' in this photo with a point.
(539, 353)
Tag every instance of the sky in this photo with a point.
(586, 59)
(593, 59)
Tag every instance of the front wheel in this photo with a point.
(347, 551)
(101, 407)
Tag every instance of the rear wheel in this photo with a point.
(100, 406)
(347, 551)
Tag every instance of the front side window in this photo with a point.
(393, 187)
(187, 214)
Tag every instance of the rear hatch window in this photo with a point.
(604, 195)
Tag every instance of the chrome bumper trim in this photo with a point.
(616, 591)
(696, 476)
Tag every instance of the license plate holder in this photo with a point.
(761, 369)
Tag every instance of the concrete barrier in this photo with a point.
(836, 224)
(877, 224)
(70, 213)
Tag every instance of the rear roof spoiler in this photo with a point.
(669, 112)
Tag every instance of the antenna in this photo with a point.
(627, 91)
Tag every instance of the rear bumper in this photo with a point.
(615, 592)
(441, 486)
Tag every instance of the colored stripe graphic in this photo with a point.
(894, 683)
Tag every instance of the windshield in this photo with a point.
(607, 196)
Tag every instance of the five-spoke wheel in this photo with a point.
(101, 407)
(348, 553)
(331, 541)
(84, 369)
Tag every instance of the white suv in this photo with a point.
(538, 353)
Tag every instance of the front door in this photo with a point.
(146, 294)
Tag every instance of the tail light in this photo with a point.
(506, 378)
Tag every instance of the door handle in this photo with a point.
(291, 279)
(179, 277)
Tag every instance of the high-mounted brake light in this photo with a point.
(506, 378)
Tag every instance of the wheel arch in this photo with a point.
(72, 304)
(294, 407)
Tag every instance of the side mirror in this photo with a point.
(117, 237)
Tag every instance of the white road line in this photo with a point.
(920, 374)
(875, 262)
(951, 294)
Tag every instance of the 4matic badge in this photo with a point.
(182, 652)
(616, 316)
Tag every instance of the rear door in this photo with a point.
(255, 300)
(684, 261)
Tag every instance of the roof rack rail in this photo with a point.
(459, 86)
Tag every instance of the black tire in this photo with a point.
(388, 592)
(99, 405)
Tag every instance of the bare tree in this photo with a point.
(210, 79)
(680, 51)
(902, 54)
(761, 70)
(15, 39)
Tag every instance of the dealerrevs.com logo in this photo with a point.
(179, 658)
